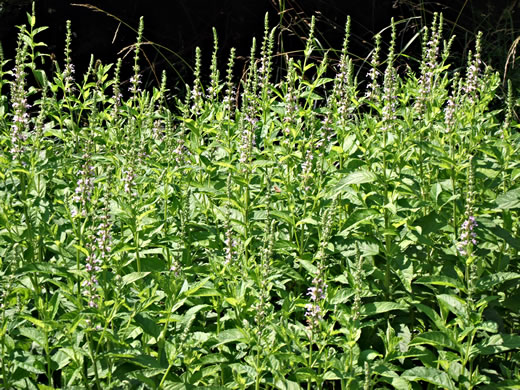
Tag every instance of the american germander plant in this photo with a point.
(314, 231)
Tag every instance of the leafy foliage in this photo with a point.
(304, 234)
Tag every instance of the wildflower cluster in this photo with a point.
(230, 93)
(129, 176)
(343, 81)
(68, 72)
(20, 105)
(247, 140)
(117, 95)
(291, 100)
(372, 90)
(264, 72)
(229, 241)
(317, 293)
(429, 63)
(390, 88)
(468, 236)
(472, 72)
(135, 80)
(99, 249)
(175, 268)
(196, 94)
(214, 87)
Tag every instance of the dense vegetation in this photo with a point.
(315, 232)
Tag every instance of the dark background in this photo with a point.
(182, 25)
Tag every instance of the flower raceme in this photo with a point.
(467, 235)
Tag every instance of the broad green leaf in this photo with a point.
(381, 307)
(432, 314)
(342, 295)
(357, 177)
(494, 280)
(429, 375)
(34, 334)
(436, 339)
(309, 267)
(197, 286)
(192, 312)
(133, 277)
(229, 336)
(498, 343)
(359, 216)
(30, 365)
(509, 200)
(430, 223)
(61, 358)
(213, 358)
(283, 216)
(286, 384)
(148, 325)
(453, 303)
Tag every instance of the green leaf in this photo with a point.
(432, 314)
(229, 336)
(509, 200)
(283, 216)
(493, 280)
(359, 216)
(381, 307)
(38, 323)
(429, 375)
(133, 277)
(441, 280)
(453, 303)
(30, 365)
(311, 268)
(33, 334)
(307, 221)
(429, 223)
(436, 339)
(357, 177)
(148, 325)
(61, 358)
(498, 343)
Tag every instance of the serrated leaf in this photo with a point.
(429, 375)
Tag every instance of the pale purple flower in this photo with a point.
(468, 236)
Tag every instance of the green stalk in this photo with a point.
(94, 361)
(165, 375)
